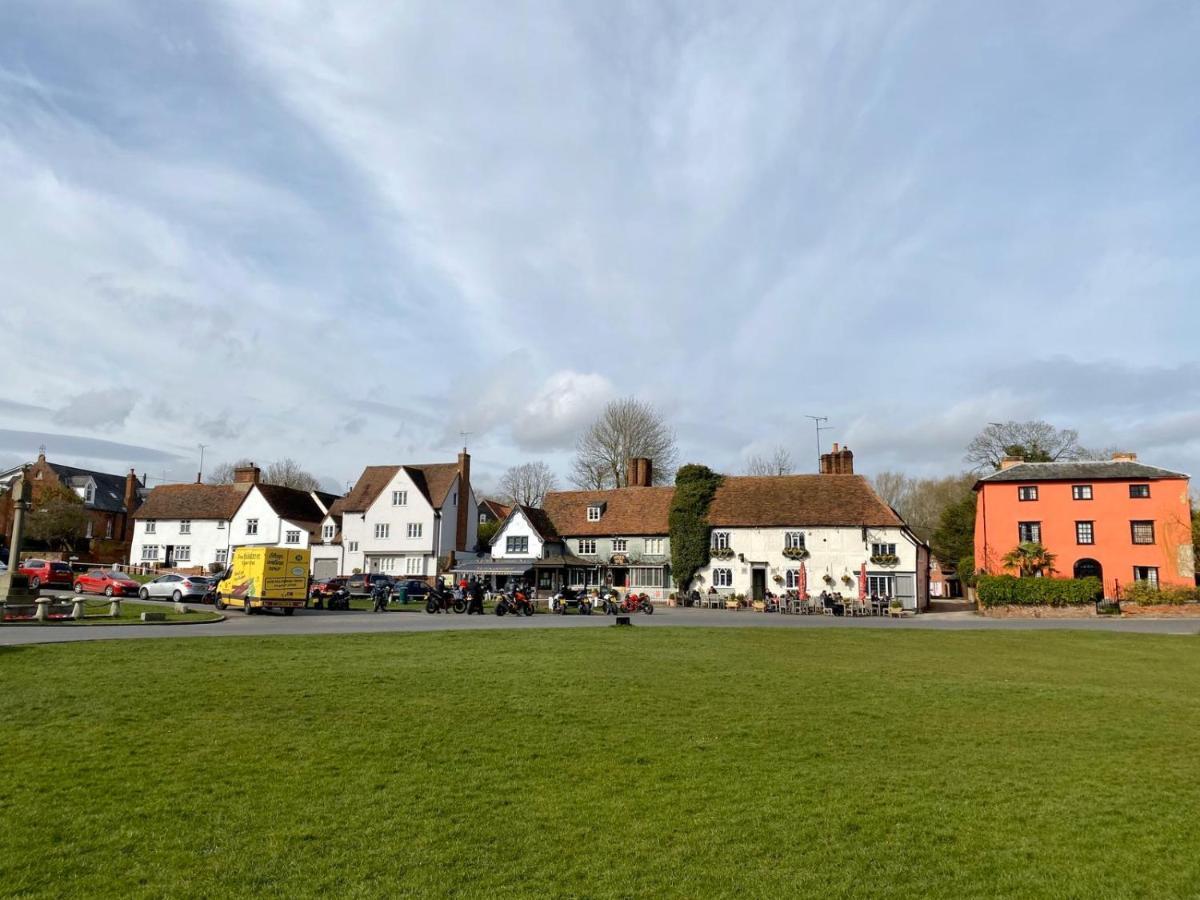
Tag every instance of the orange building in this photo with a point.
(1119, 520)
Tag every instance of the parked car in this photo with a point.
(361, 585)
(177, 587)
(322, 589)
(43, 573)
(417, 589)
(108, 582)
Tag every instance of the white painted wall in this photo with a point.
(517, 526)
(206, 538)
(272, 530)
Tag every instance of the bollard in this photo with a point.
(43, 609)
(624, 620)
(114, 608)
(77, 609)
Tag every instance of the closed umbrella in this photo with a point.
(802, 582)
(862, 582)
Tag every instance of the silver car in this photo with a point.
(176, 587)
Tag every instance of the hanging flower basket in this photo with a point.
(795, 553)
(885, 559)
(721, 553)
(828, 579)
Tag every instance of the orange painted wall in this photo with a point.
(1111, 509)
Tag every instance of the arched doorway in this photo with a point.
(1089, 568)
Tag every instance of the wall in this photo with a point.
(206, 538)
(635, 549)
(390, 554)
(255, 506)
(1111, 509)
(517, 526)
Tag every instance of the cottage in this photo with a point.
(186, 525)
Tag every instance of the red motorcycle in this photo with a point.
(636, 603)
(516, 602)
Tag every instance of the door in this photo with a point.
(906, 591)
(620, 577)
(324, 569)
(1090, 568)
(758, 583)
(169, 556)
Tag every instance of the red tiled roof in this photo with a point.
(193, 501)
(498, 510)
(782, 500)
(630, 510)
(369, 486)
(433, 480)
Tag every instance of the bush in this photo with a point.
(694, 490)
(1008, 590)
(1145, 594)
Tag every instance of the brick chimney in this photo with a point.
(247, 474)
(1009, 461)
(464, 492)
(131, 500)
(839, 461)
(1124, 456)
(640, 472)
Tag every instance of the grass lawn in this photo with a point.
(605, 763)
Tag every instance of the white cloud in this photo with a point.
(566, 403)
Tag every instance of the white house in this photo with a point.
(274, 516)
(402, 520)
(527, 546)
(185, 525)
(328, 550)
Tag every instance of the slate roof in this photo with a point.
(627, 511)
(1095, 470)
(498, 511)
(774, 501)
(291, 504)
(433, 480)
(193, 501)
(110, 489)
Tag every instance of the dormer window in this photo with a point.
(593, 513)
(89, 493)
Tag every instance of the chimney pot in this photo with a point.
(1009, 461)
(1124, 456)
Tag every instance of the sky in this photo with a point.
(347, 232)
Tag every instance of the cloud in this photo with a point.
(65, 447)
(102, 409)
(566, 403)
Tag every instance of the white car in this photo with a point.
(176, 587)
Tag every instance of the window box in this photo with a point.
(885, 559)
(721, 553)
(795, 553)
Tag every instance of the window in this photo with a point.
(89, 493)
(881, 585)
(722, 577)
(327, 532)
(1029, 532)
(1081, 492)
(1142, 532)
(655, 547)
(516, 544)
(353, 547)
(646, 577)
(382, 530)
(483, 518)
(149, 552)
(1139, 491)
(221, 525)
(1028, 492)
(291, 537)
(399, 498)
(1148, 574)
(720, 540)
(87, 533)
(185, 526)
(415, 529)
(412, 566)
(221, 557)
(883, 549)
(455, 500)
(183, 553)
(794, 540)
(587, 546)
(593, 514)
(792, 579)
(1085, 533)
(620, 545)
(252, 526)
(151, 526)
(108, 527)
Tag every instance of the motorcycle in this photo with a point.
(516, 602)
(381, 596)
(636, 603)
(565, 598)
(441, 600)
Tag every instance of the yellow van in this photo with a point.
(265, 578)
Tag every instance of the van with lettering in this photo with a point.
(261, 578)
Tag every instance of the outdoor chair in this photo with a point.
(730, 603)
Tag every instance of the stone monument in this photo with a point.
(14, 587)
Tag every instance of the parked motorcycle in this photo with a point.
(381, 596)
(566, 598)
(441, 600)
(516, 602)
(636, 603)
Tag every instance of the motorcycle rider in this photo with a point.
(475, 596)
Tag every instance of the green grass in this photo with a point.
(96, 613)
(604, 763)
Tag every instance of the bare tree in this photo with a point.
(1031, 441)
(626, 429)
(527, 484)
(778, 462)
(893, 487)
(222, 473)
(287, 472)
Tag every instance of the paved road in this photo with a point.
(324, 622)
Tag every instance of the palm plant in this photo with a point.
(1031, 558)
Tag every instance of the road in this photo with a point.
(315, 622)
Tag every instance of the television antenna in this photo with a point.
(817, 420)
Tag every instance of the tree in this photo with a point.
(1030, 441)
(625, 430)
(1031, 558)
(779, 462)
(954, 538)
(695, 487)
(59, 518)
(527, 484)
(286, 472)
(222, 473)
(483, 539)
(893, 487)
(921, 502)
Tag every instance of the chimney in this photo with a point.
(839, 461)
(641, 472)
(1124, 456)
(464, 491)
(1009, 461)
(247, 474)
(131, 501)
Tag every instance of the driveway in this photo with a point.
(324, 622)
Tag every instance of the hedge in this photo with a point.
(1145, 594)
(1008, 590)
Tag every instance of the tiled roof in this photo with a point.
(369, 486)
(193, 501)
(541, 522)
(433, 480)
(498, 510)
(782, 500)
(629, 511)
(110, 489)
(291, 504)
(1098, 470)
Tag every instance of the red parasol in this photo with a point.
(802, 582)
(862, 582)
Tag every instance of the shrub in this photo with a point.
(1002, 590)
(694, 490)
(1145, 594)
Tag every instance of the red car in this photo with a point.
(43, 573)
(322, 589)
(106, 582)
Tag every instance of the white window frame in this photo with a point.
(150, 552)
(414, 565)
(352, 547)
(593, 513)
(883, 549)
(89, 493)
(416, 530)
(252, 527)
(183, 553)
(151, 526)
(793, 540)
(588, 546)
(89, 529)
(221, 557)
(881, 585)
(399, 498)
(220, 524)
(327, 532)
(791, 579)
(516, 543)
(1149, 575)
(620, 545)
(722, 578)
(383, 531)
(185, 526)
(646, 576)
(720, 540)
(291, 536)
(655, 547)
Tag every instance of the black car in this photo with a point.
(417, 590)
(361, 585)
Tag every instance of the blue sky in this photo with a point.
(346, 232)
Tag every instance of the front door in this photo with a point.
(620, 577)
(758, 583)
(169, 556)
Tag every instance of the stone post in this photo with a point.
(14, 587)
(77, 611)
(114, 608)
